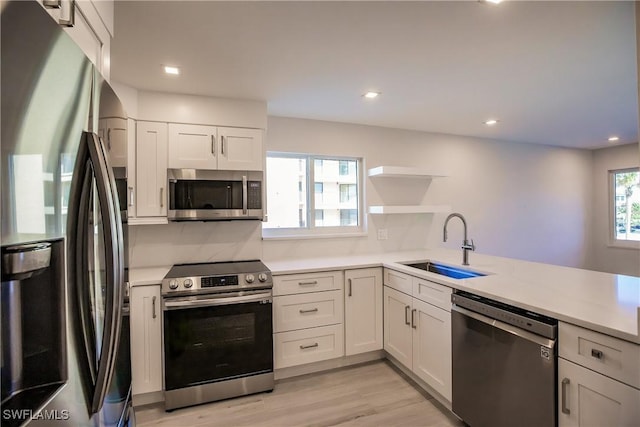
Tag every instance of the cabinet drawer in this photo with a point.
(291, 312)
(433, 293)
(398, 281)
(308, 345)
(610, 356)
(308, 282)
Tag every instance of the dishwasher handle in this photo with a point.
(514, 330)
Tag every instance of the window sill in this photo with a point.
(624, 244)
(314, 236)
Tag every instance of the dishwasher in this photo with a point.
(504, 364)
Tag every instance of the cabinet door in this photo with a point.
(131, 168)
(193, 147)
(240, 149)
(115, 139)
(432, 346)
(363, 310)
(151, 169)
(589, 399)
(146, 339)
(397, 326)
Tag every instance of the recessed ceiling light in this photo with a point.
(494, 1)
(371, 95)
(613, 139)
(171, 70)
(491, 122)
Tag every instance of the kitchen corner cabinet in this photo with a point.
(363, 310)
(598, 379)
(212, 147)
(407, 173)
(146, 339)
(417, 328)
(151, 169)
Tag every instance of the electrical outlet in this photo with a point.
(382, 234)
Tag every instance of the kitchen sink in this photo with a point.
(445, 270)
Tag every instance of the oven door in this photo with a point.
(216, 337)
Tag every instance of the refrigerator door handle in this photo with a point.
(93, 162)
(113, 239)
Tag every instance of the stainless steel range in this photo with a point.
(217, 326)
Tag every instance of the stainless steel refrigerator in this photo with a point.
(64, 305)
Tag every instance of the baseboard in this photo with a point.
(417, 382)
(147, 398)
(326, 365)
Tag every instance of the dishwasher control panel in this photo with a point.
(516, 316)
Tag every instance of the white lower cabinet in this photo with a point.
(590, 399)
(398, 335)
(598, 379)
(146, 339)
(432, 346)
(294, 348)
(308, 316)
(418, 333)
(363, 310)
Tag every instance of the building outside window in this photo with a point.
(332, 204)
(625, 200)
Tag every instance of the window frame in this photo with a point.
(311, 230)
(613, 241)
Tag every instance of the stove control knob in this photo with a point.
(249, 278)
(173, 284)
(188, 283)
(262, 277)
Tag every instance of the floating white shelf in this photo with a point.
(403, 172)
(409, 209)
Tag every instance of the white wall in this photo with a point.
(190, 242)
(522, 201)
(605, 257)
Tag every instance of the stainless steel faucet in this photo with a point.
(466, 244)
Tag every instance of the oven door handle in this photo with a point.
(529, 336)
(265, 298)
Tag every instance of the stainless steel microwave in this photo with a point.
(209, 195)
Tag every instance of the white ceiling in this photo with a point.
(558, 73)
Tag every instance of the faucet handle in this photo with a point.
(469, 245)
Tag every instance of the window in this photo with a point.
(312, 195)
(625, 200)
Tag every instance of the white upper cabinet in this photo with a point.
(240, 149)
(151, 169)
(211, 147)
(113, 132)
(90, 24)
(192, 147)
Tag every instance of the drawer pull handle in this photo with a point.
(313, 310)
(350, 288)
(413, 320)
(406, 315)
(598, 354)
(305, 347)
(310, 283)
(565, 384)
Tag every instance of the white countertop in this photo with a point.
(607, 303)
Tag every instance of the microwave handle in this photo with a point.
(244, 195)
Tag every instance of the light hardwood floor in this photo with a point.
(373, 394)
